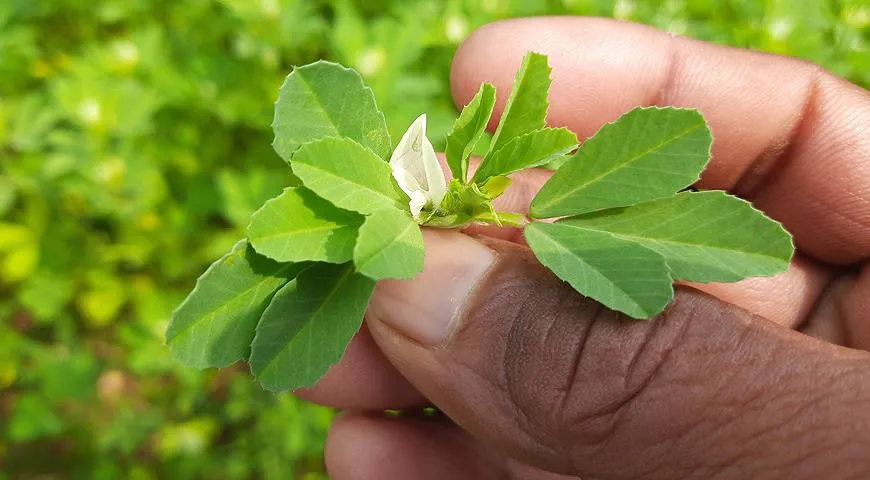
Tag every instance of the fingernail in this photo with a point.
(428, 307)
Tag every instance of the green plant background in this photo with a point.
(134, 144)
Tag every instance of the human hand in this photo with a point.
(540, 383)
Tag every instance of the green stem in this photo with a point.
(502, 219)
(505, 219)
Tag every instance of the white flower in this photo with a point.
(416, 169)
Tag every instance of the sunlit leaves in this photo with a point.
(621, 274)
(324, 99)
(348, 175)
(390, 245)
(299, 226)
(468, 130)
(704, 236)
(648, 153)
(526, 108)
(529, 150)
(308, 325)
(215, 324)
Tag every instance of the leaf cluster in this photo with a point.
(619, 224)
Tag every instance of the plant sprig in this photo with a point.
(619, 224)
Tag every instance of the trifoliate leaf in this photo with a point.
(214, 326)
(299, 226)
(530, 150)
(620, 274)
(347, 174)
(308, 325)
(390, 245)
(526, 108)
(324, 99)
(704, 236)
(648, 153)
(468, 129)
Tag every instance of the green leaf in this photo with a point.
(620, 274)
(468, 129)
(243, 193)
(704, 236)
(299, 226)
(45, 294)
(493, 187)
(648, 153)
(347, 174)
(527, 151)
(324, 99)
(308, 325)
(215, 324)
(526, 109)
(390, 245)
(7, 195)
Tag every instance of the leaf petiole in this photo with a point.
(504, 219)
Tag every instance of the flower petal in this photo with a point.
(417, 203)
(436, 184)
(406, 181)
(408, 155)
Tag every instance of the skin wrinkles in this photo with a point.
(560, 329)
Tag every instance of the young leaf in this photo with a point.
(493, 187)
(214, 326)
(324, 99)
(347, 174)
(390, 245)
(648, 153)
(526, 151)
(620, 274)
(308, 325)
(526, 108)
(468, 129)
(299, 226)
(704, 236)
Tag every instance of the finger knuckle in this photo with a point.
(574, 369)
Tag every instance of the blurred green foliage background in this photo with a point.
(134, 144)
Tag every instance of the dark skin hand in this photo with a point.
(766, 378)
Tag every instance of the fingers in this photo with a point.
(786, 299)
(856, 311)
(363, 447)
(788, 136)
(524, 363)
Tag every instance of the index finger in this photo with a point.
(789, 137)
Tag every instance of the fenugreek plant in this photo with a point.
(289, 298)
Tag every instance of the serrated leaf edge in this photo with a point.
(359, 268)
(275, 198)
(747, 204)
(704, 123)
(197, 287)
(578, 290)
(366, 88)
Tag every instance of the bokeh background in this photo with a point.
(134, 144)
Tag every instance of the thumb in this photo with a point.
(524, 363)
